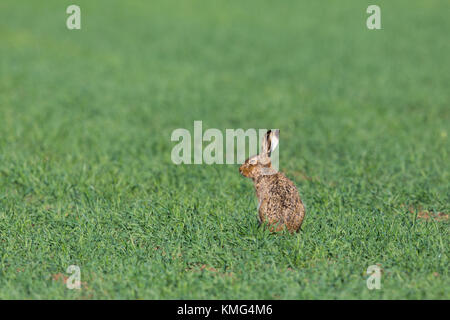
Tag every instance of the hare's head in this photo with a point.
(260, 164)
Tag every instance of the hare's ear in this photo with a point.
(275, 139)
(270, 142)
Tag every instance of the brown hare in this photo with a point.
(279, 204)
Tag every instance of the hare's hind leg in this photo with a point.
(270, 219)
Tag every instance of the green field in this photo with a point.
(86, 176)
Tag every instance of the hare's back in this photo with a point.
(283, 188)
(283, 203)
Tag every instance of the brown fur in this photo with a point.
(280, 205)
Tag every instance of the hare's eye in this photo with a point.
(252, 161)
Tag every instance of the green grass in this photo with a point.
(86, 176)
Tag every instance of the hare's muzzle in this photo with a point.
(243, 170)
